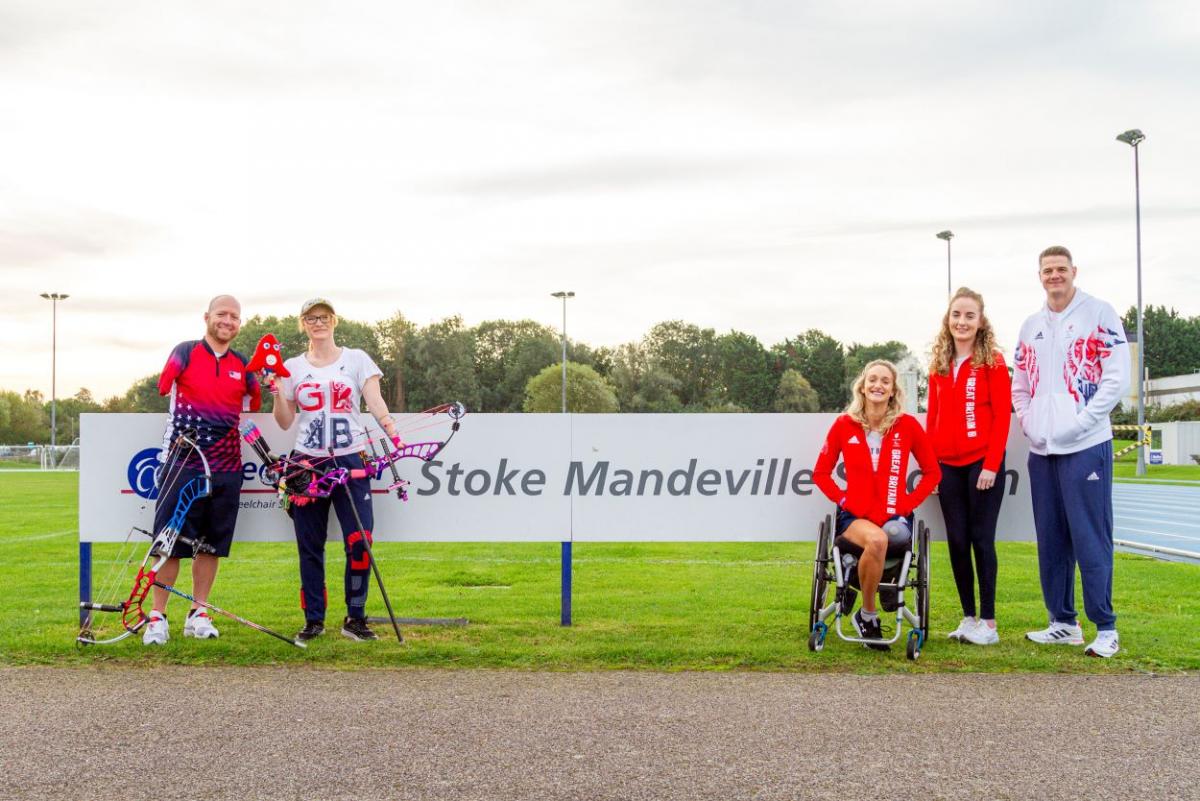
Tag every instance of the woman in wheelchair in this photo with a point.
(875, 510)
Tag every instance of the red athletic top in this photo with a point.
(208, 394)
(969, 413)
(877, 494)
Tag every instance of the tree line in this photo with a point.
(515, 366)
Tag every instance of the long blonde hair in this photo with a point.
(858, 399)
(984, 352)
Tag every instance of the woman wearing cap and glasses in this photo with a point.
(324, 392)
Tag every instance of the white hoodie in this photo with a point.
(1071, 369)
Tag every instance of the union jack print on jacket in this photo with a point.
(1071, 370)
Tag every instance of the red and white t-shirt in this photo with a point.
(327, 401)
(208, 394)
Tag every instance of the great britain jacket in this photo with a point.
(969, 413)
(877, 494)
(1071, 369)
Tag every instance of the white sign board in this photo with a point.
(547, 477)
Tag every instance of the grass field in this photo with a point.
(688, 606)
(1125, 468)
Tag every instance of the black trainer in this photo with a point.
(869, 630)
(312, 629)
(356, 628)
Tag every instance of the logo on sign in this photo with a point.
(143, 473)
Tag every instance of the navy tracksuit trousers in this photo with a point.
(1073, 514)
(312, 524)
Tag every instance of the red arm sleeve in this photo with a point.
(253, 391)
(175, 365)
(931, 473)
(826, 461)
(1000, 397)
(931, 403)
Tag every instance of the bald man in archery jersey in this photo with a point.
(209, 388)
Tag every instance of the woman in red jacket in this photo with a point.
(874, 438)
(969, 408)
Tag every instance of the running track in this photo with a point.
(1161, 516)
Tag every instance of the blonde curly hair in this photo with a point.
(985, 350)
(858, 398)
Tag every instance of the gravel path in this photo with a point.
(228, 733)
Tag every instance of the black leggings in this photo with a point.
(970, 516)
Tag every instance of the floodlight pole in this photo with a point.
(54, 298)
(1133, 138)
(564, 296)
(947, 235)
(566, 569)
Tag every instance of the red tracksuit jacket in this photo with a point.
(877, 495)
(969, 414)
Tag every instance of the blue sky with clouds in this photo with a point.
(764, 166)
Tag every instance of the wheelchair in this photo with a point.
(906, 567)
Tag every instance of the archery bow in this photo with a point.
(133, 616)
(299, 479)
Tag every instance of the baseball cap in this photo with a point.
(308, 304)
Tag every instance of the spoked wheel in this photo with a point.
(923, 581)
(820, 578)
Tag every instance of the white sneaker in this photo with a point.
(981, 634)
(966, 625)
(200, 626)
(156, 630)
(1057, 634)
(1105, 644)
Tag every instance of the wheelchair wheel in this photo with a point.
(914, 645)
(816, 638)
(923, 580)
(820, 577)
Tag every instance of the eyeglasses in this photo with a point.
(313, 319)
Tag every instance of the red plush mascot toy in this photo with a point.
(268, 359)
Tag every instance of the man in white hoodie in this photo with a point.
(1071, 369)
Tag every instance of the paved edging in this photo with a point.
(240, 733)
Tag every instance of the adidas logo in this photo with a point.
(1093, 477)
(1039, 336)
(853, 440)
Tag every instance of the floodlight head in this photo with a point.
(947, 235)
(54, 296)
(562, 295)
(1133, 137)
